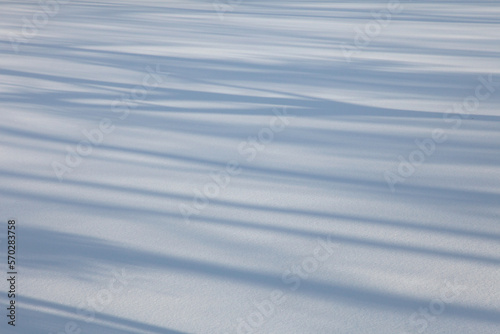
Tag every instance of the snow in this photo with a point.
(238, 168)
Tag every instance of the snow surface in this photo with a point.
(107, 249)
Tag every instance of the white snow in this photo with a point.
(305, 223)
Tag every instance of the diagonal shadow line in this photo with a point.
(417, 191)
(302, 212)
(98, 249)
(100, 316)
(248, 225)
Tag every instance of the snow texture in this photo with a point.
(251, 166)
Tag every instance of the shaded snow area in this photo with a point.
(250, 167)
